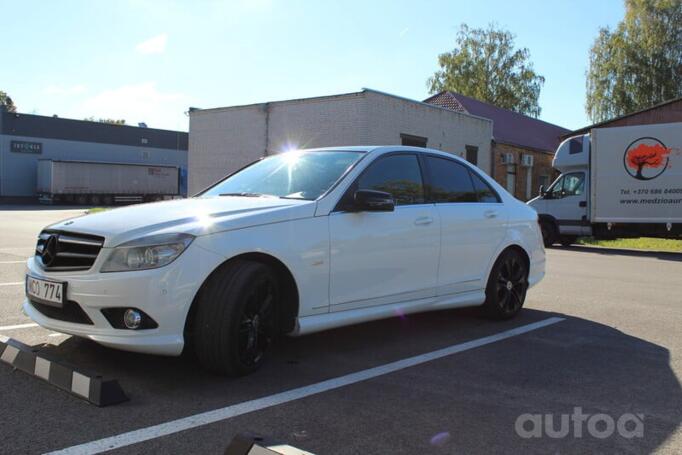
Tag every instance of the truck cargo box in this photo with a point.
(636, 174)
(89, 177)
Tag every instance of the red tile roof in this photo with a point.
(508, 127)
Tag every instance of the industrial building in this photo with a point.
(26, 138)
(222, 140)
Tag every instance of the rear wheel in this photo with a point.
(235, 321)
(507, 286)
(82, 199)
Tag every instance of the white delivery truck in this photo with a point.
(615, 182)
(92, 182)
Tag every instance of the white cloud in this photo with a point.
(136, 103)
(154, 45)
(65, 90)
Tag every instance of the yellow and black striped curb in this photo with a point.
(88, 386)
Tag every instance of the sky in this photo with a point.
(149, 61)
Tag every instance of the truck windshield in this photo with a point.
(295, 175)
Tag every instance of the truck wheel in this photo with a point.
(505, 292)
(108, 200)
(82, 199)
(95, 199)
(235, 321)
(548, 233)
(568, 240)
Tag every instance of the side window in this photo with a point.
(568, 185)
(574, 184)
(399, 175)
(483, 191)
(450, 181)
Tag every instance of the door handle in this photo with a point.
(582, 204)
(490, 214)
(423, 220)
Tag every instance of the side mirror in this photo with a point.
(373, 201)
(542, 190)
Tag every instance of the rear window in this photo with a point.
(450, 181)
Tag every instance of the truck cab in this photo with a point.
(563, 207)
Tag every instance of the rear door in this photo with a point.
(379, 258)
(473, 224)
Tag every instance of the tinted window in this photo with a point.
(483, 191)
(450, 181)
(398, 175)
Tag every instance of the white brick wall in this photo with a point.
(223, 140)
(445, 130)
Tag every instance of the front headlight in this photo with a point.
(147, 253)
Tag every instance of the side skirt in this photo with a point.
(326, 321)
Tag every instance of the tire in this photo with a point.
(107, 200)
(82, 199)
(95, 200)
(548, 233)
(505, 292)
(235, 321)
(568, 240)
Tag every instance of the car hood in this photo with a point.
(196, 216)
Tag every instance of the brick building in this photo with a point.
(522, 147)
(667, 112)
(222, 140)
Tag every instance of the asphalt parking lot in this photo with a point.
(616, 351)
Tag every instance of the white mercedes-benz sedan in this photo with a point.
(292, 244)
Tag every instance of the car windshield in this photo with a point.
(295, 175)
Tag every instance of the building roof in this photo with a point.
(509, 127)
(586, 129)
(40, 126)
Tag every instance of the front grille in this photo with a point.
(60, 251)
(70, 312)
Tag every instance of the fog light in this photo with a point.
(132, 319)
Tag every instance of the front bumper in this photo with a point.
(165, 294)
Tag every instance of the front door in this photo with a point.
(566, 201)
(379, 258)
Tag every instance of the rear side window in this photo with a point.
(483, 191)
(450, 181)
(399, 175)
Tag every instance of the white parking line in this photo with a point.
(18, 326)
(16, 283)
(205, 418)
(13, 262)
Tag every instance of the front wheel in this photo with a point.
(235, 321)
(548, 233)
(505, 292)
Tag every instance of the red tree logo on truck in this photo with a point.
(646, 158)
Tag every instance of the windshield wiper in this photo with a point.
(245, 194)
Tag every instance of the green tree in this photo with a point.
(639, 63)
(486, 65)
(6, 101)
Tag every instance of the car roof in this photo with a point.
(381, 149)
